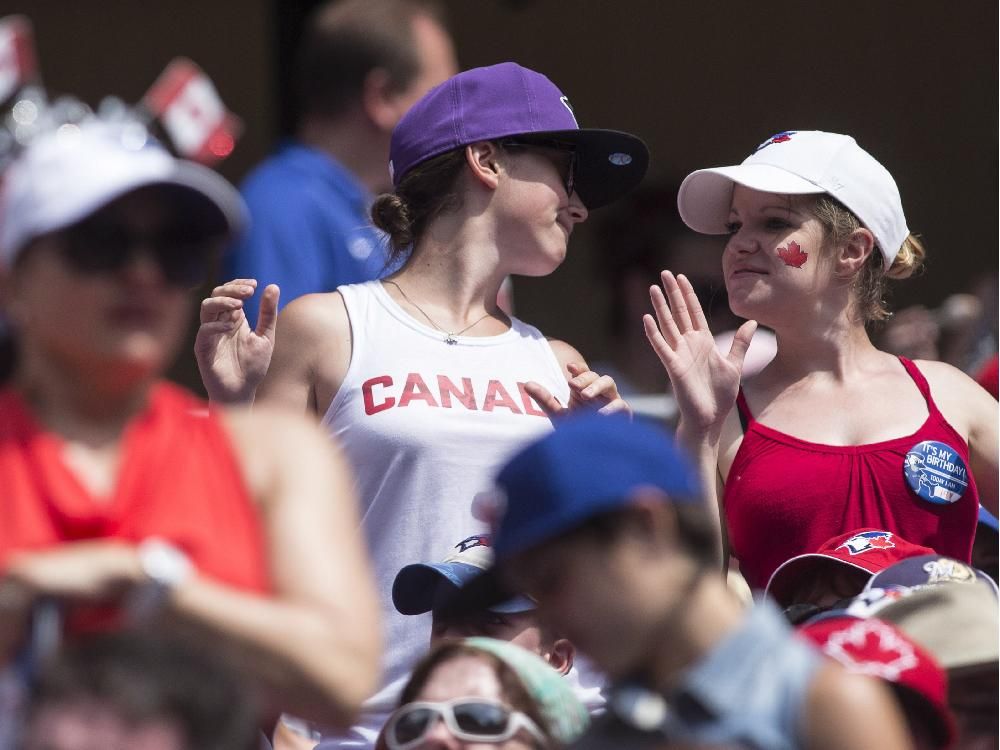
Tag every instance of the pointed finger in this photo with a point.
(583, 380)
(239, 288)
(693, 303)
(618, 406)
(660, 346)
(664, 318)
(215, 308)
(603, 386)
(741, 343)
(549, 403)
(678, 305)
(267, 319)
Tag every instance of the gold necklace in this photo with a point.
(449, 336)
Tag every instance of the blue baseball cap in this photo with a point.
(929, 570)
(419, 587)
(588, 465)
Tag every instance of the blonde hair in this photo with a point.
(870, 284)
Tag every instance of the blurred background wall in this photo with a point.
(703, 82)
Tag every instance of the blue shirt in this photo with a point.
(747, 692)
(309, 227)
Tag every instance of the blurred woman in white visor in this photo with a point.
(126, 502)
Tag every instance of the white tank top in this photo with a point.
(426, 425)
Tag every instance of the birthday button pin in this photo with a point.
(936, 472)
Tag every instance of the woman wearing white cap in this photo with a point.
(833, 434)
(125, 501)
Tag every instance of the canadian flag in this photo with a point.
(17, 55)
(187, 104)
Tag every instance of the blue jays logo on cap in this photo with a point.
(935, 472)
(477, 540)
(867, 540)
(784, 135)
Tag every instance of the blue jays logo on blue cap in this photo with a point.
(784, 135)
(935, 472)
(867, 540)
(477, 540)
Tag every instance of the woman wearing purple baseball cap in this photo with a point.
(834, 434)
(425, 381)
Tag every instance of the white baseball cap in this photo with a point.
(65, 175)
(798, 162)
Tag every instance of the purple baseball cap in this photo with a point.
(499, 101)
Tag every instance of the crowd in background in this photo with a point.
(406, 518)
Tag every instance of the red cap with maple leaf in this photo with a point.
(800, 162)
(870, 550)
(877, 649)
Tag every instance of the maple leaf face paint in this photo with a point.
(792, 255)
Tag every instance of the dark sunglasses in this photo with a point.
(564, 158)
(468, 719)
(106, 245)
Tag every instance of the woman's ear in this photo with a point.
(483, 162)
(854, 253)
(561, 655)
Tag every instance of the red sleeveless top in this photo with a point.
(178, 479)
(785, 496)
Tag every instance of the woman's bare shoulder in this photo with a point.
(961, 400)
(270, 441)
(315, 315)
(565, 353)
(950, 384)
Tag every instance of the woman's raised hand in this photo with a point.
(233, 357)
(705, 381)
(586, 389)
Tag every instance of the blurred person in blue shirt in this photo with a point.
(359, 68)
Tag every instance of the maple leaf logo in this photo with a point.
(873, 648)
(785, 135)
(793, 255)
(880, 542)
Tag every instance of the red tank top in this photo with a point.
(178, 479)
(785, 496)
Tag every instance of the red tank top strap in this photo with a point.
(921, 382)
(744, 410)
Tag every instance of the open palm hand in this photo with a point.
(705, 381)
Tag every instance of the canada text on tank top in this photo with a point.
(441, 392)
(426, 426)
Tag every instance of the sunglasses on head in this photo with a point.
(105, 244)
(564, 160)
(468, 719)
